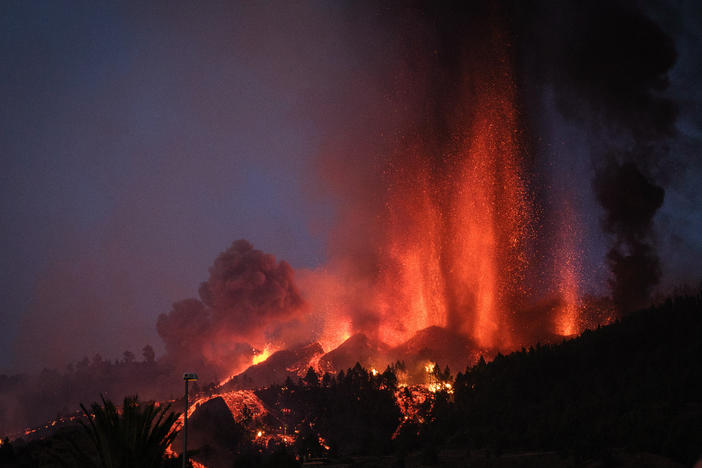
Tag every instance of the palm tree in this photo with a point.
(136, 437)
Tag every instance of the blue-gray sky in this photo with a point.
(137, 141)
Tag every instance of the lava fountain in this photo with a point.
(457, 218)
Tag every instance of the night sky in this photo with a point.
(137, 142)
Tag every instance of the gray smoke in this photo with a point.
(615, 64)
(247, 295)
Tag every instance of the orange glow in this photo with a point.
(323, 442)
(263, 355)
(455, 254)
(328, 290)
(411, 292)
(492, 211)
(170, 453)
(335, 334)
(257, 358)
(438, 386)
(454, 233)
(567, 260)
(236, 400)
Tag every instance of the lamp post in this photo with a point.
(188, 376)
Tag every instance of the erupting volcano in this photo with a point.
(450, 181)
(459, 218)
(446, 233)
(456, 240)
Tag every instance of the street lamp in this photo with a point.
(188, 376)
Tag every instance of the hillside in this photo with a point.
(634, 385)
(627, 394)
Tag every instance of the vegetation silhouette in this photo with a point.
(32, 399)
(635, 386)
(136, 437)
(351, 413)
(629, 389)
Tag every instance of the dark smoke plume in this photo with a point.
(247, 292)
(630, 200)
(607, 64)
(615, 65)
(247, 289)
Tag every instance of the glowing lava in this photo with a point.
(567, 320)
(263, 355)
(459, 218)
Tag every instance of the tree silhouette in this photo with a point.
(149, 354)
(311, 377)
(136, 437)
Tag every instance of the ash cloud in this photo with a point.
(242, 304)
(633, 259)
(616, 60)
(609, 64)
(611, 76)
(185, 331)
(630, 201)
(247, 289)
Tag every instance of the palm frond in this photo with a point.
(136, 437)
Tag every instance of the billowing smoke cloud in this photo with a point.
(247, 289)
(242, 304)
(185, 331)
(612, 79)
(630, 201)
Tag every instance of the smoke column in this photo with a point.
(454, 227)
(247, 297)
(615, 66)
